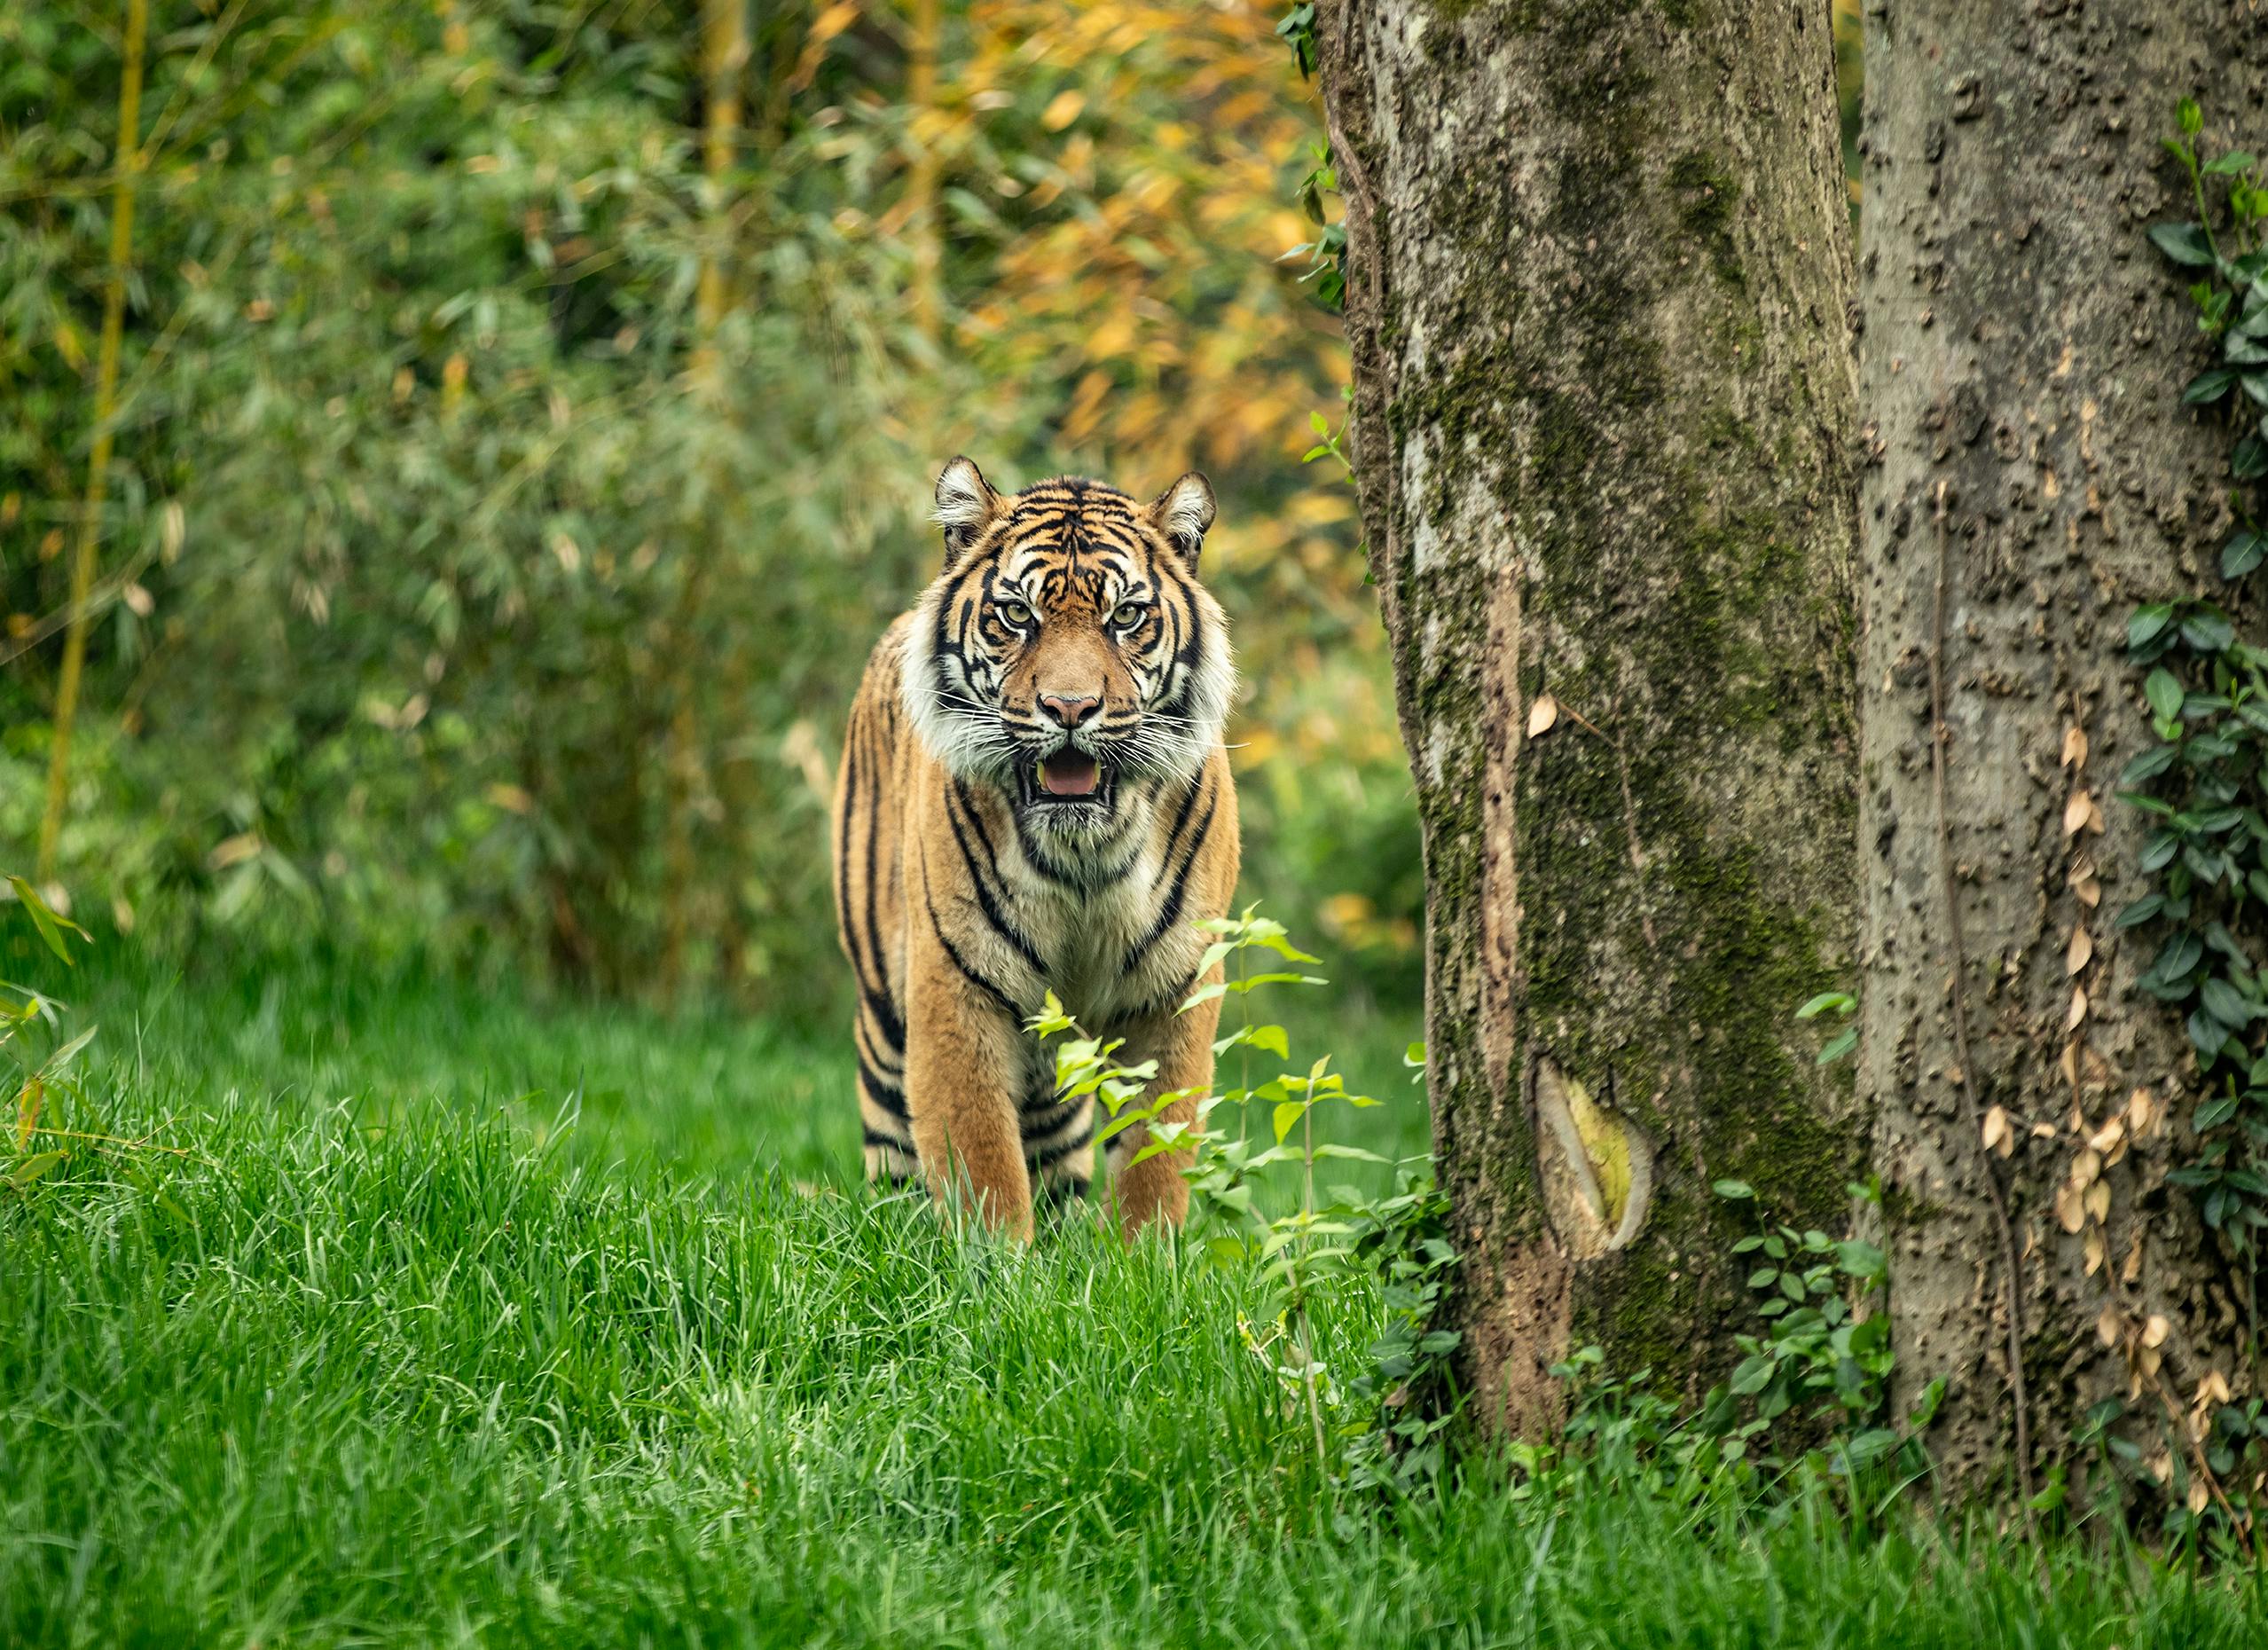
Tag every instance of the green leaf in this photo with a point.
(2183, 243)
(2207, 1036)
(1861, 1259)
(1738, 1190)
(60, 1060)
(2236, 162)
(2163, 691)
(1842, 1002)
(49, 925)
(2208, 629)
(2241, 555)
(2226, 1004)
(2191, 117)
(2177, 956)
(1752, 1376)
(2146, 622)
(1926, 1410)
(34, 1167)
(1285, 1115)
(2250, 462)
(2210, 386)
(1842, 1044)
(2141, 911)
(2148, 766)
(2256, 385)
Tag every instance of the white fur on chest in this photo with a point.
(1089, 937)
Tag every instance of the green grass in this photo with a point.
(473, 1320)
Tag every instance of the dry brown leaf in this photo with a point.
(2082, 951)
(2155, 1331)
(2133, 1269)
(2141, 1111)
(2086, 1168)
(2075, 746)
(2109, 1325)
(2213, 1389)
(2090, 892)
(2097, 1201)
(2078, 1008)
(2097, 1254)
(2070, 1211)
(1996, 1126)
(2076, 811)
(2198, 1496)
(234, 850)
(2108, 1136)
(1541, 715)
(2160, 1465)
(2043, 1131)
(2069, 1063)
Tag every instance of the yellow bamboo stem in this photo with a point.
(114, 326)
(922, 170)
(724, 55)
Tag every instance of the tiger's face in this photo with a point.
(1068, 650)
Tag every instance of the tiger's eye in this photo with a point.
(1014, 613)
(1129, 615)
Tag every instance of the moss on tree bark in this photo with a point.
(1598, 296)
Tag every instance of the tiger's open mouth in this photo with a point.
(1068, 777)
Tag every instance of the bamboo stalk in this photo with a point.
(724, 55)
(113, 326)
(921, 175)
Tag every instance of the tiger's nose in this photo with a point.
(1070, 712)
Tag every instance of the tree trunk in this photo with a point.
(1598, 284)
(2034, 479)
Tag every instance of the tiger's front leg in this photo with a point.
(1153, 1190)
(964, 1072)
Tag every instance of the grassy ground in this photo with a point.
(470, 1320)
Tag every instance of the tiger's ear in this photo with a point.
(966, 504)
(1183, 512)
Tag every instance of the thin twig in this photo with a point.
(1938, 731)
(2241, 1526)
(144, 1144)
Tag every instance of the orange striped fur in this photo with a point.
(1034, 796)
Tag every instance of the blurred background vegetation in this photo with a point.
(525, 419)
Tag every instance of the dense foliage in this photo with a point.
(470, 583)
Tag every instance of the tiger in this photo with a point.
(1034, 796)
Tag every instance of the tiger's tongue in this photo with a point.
(1068, 774)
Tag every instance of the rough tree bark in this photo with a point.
(1598, 290)
(2023, 356)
